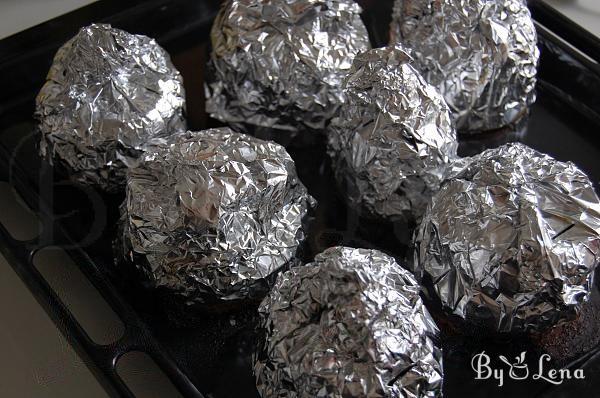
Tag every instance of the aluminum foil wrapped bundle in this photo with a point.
(212, 215)
(512, 239)
(393, 137)
(280, 63)
(107, 94)
(481, 54)
(350, 324)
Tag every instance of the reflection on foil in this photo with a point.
(280, 63)
(214, 214)
(107, 94)
(481, 54)
(393, 137)
(511, 240)
(350, 324)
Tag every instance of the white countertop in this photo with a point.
(585, 12)
(18, 15)
(36, 360)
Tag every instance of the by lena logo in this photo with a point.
(519, 370)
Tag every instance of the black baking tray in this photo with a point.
(210, 355)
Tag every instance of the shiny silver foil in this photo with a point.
(350, 324)
(511, 240)
(280, 63)
(213, 214)
(481, 54)
(106, 95)
(393, 137)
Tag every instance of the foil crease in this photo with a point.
(213, 215)
(280, 63)
(107, 94)
(393, 137)
(512, 239)
(481, 54)
(350, 324)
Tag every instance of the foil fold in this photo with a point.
(350, 324)
(107, 94)
(212, 216)
(481, 54)
(279, 64)
(511, 240)
(393, 137)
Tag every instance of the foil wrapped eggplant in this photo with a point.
(279, 64)
(393, 137)
(511, 240)
(350, 324)
(107, 94)
(481, 54)
(211, 216)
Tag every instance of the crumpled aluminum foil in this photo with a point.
(481, 54)
(106, 95)
(393, 137)
(512, 239)
(211, 215)
(280, 63)
(350, 324)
